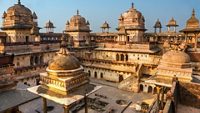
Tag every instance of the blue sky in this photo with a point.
(98, 11)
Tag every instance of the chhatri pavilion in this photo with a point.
(65, 81)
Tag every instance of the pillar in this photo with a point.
(86, 105)
(160, 30)
(66, 109)
(168, 29)
(44, 105)
(195, 45)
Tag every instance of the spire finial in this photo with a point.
(193, 12)
(132, 5)
(19, 2)
(77, 12)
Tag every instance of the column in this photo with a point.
(44, 105)
(195, 45)
(66, 109)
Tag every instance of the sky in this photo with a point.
(99, 11)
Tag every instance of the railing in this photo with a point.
(30, 43)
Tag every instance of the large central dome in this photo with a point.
(77, 23)
(132, 19)
(64, 61)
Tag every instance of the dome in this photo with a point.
(64, 61)
(176, 57)
(77, 23)
(158, 24)
(19, 9)
(172, 22)
(78, 20)
(193, 22)
(49, 24)
(20, 15)
(132, 19)
(105, 25)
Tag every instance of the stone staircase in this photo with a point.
(131, 83)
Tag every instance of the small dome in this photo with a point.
(105, 25)
(158, 24)
(49, 24)
(4, 15)
(64, 61)
(34, 15)
(193, 22)
(176, 57)
(172, 22)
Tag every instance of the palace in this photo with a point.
(133, 58)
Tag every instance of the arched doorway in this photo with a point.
(126, 57)
(117, 57)
(155, 90)
(95, 74)
(101, 75)
(36, 60)
(141, 88)
(121, 78)
(122, 57)
(41, 60)
(31, 61)
(37, 81)
(128, 38)
(150, 89)
(89, 73)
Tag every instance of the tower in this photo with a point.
(172, 24)
(18, 22)
(49, 27)
(78, 30)
(131, 26)
(105, 27)
(158, 26)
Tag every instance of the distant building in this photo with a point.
(32, 50)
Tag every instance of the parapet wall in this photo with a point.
(189, 94)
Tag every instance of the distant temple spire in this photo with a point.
(193, 12)
(19, 2)
(77, 12)
(132, 5)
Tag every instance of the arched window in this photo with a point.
(117, 57)
(121, 78)
(126, 57)
(122, 57)
(95, 74)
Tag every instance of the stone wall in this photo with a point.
(189, 94)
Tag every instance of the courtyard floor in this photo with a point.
(108, 94)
